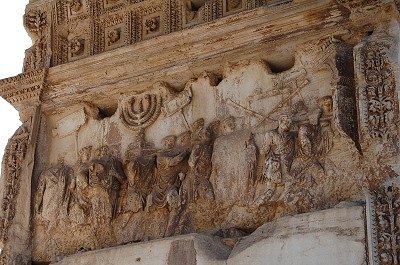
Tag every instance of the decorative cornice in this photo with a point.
(23, 88)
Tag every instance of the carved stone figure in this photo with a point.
(200, 167)
(106, 172)
(169, 163)
(54, 192)
(279, 145)
(101, 203)
(140, 178)
(82, 180)
(279, 151)
(316, 139)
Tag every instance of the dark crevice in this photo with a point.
(281, 65)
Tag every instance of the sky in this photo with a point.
(14, 42)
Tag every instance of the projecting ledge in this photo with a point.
(330, 237)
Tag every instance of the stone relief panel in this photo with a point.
(266, 145)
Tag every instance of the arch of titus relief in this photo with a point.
(199, 132)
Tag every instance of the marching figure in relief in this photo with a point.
(140, 176)
(278, 150)
(82, 180)
(169, 163)
(316, 139)
(54, 192)
(99, 198)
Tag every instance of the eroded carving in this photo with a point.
(54, 192)
(12, 167)
(385, 203)
(143, 20)
(170, 163)
(76, 47)
(278, 150)
(113, 36)
(35, 21)
(152, 24)
(380, 90)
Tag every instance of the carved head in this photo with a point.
(169, 142)
(326, 105)
(96, 170)
(204, 136)
(285, 122)
(228, 125)
(198, 125)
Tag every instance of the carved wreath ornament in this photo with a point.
(141, 111)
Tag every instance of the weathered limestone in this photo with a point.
(334, 236)
(147, 120)
(190, 250)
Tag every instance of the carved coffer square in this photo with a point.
(233, 6)
(149, 20)
(71, 41)
(68, 10)
(152, 25)
(112, 32)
